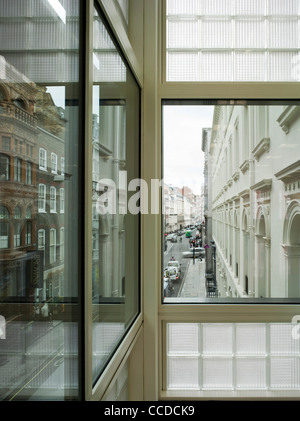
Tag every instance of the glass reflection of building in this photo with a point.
(39, 199)
(21, 264)
(31, 190)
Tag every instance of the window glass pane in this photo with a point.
(115, 235)
(39, 42)
(253, 33)
(231, 208)
(233, 359)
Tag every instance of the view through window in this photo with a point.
(231, 201)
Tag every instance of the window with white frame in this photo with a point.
(62, 243)
(62, 200)
(52, 246)
(53, 199)
(53, 163)
(43, 159)
(42, 241)
(42, 198)
(251, 209)
(62, 166)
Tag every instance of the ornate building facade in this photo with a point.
(254, 152)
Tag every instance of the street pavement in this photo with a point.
(193, 284)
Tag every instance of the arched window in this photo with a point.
(17, 213)
(20, 103)
(28, 213)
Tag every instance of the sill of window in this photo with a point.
(229, 394)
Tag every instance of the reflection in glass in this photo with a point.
(38, 235)
(115, 232)
(232, 213)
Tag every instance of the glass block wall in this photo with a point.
(233, 356)
(238, 40)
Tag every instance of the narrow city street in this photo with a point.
(192, 279)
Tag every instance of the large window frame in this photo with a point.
(121, 354)
(231, 91)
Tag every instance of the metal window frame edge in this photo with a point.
(100, 389)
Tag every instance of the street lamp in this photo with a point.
(213, 245)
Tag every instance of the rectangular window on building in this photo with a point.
(18, 170)
(52, 246)
(42, 198)
(4, 235)
(53, 163)
(62, 244)
(62, 200)
(4, 167)
(5, 143)
(28, 172)
(43, 159)
(52, 199)
(62, 166)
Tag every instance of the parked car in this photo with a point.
(173, 270)
(197, 251)
(174, 238)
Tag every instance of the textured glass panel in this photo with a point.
(279, 7)
(109, 67)
(284, 373)
(250, 33)
(250, 66)
(216, 66)
(250, 339)
(240, 25)
(183, 66)
(101, 38)
(216, 33)
(251, 373)
(283, 33)
(250, 366)
(216, 7)
(183, 339)
(250, 7)
(183, 34)
(282, 341)
(217, 373)
(217, 339)
(284, 66)
(183, 373)
(182, 7)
